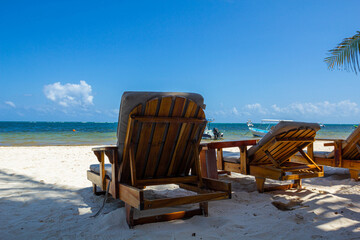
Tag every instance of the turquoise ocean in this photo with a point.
(94, 133)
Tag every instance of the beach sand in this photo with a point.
(44, 194)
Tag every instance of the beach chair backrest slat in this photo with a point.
(163, 137)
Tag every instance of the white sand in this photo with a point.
(44, 194)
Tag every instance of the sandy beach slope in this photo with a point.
(44, 194)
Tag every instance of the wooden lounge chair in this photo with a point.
(346, 154)
(270, 157)
(158, 143)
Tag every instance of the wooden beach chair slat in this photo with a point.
(170, 140)
(183, 138)
(189, 155)
(157, 138)
(144, 141)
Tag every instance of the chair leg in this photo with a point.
(129, 215)
(204, 206)
(297, 184)
(260, 182)
(354, 174)
(95, 191)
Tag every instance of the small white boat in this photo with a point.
(258, 132)
(212, 134)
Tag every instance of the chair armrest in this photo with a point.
(104, 148)
(334, 143)
(109, 151)
(329, 139)
(229, 144)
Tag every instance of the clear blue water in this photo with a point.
(92, 133)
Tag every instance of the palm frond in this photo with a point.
(346, 55)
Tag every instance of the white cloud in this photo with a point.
(69, 94)
(256, 107)
(11, 104)
(325, 108)
(235, 111)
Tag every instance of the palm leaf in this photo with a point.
(346, 55)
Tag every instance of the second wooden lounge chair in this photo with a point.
(346, 154)
(158, 143)
(270, 157)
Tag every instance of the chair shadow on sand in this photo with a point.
(338, 211)
(37, 210)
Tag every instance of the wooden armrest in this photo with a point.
(329, 139)
(104, 148)
(334, 143)
(229, 144)
(110, 151)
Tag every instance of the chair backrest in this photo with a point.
(162, 130)
(350, 151)
(282, 142)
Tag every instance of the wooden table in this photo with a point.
(208, 159)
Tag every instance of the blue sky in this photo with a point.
(72, 60)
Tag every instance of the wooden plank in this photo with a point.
(102, 171)
(243, 160)
(151, 119)
(132, 196)
(290, 148)
(132, 165)
(276, 164)
(171, 137)
(217, 185)
(168, 217)
(302, 176)
(266, 172)
(169, 202)
(94, 178)
(105, 148)
(310, 150)
(354, 174)
(168, 180)
(232, 167)
(208, 163)
(198, 168)
(157, 139)
(308, 158)
(181, 140)
(144, 140)
(299, 167)
(229, 144)
(185, 156)
(210, 185)
(131, 133)
(293, 139)
(190, 155)
(219, 159)
(338, 153)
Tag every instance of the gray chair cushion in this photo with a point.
(233, 157)
(96, 168)
(130, 100)
(280, 128)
